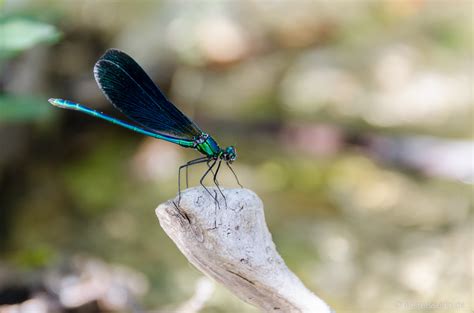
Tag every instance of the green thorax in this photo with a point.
(207, 146)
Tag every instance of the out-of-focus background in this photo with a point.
(352, 120)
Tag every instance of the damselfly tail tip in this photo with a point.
(53, 101)
(57, 102)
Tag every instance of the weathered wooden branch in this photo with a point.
(231, 243)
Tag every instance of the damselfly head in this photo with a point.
(229, 154)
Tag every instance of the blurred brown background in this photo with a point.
(352, 121)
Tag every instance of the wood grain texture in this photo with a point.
(232, 245)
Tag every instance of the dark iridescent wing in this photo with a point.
(132, 92)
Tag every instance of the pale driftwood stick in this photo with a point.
(233, 245)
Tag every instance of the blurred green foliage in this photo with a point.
(20, 34)
(16, 109)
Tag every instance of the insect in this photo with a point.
(130, 90)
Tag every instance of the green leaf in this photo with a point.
(20, 34)
(23, 108)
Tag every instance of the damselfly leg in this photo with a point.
(192, 162)
(208, 160)
(211, 163)
(235, 175)
(216, 182)
(214, 161)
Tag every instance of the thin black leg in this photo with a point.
(187, 166)
(204, 176)
(208, 161)
(217, 171)
(192, 162)
(217, 183)
(236, 178)
(186, 177)
(212, 171)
